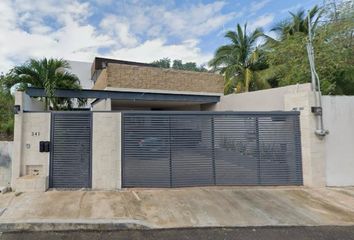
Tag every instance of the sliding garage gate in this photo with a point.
(175, 149)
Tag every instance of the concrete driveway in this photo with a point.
(185, 207)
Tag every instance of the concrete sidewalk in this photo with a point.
(178, 208)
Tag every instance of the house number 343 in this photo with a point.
(36, 134)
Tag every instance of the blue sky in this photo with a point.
(136, 30)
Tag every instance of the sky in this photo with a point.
(133, 30)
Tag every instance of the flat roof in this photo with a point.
(125, 95)
(99, 63)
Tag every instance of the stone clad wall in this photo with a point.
(30, 168)
(312, 147)
(106, 150)
(141, 77)
(36, 128)
(101, 82)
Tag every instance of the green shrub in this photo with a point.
(6, 113)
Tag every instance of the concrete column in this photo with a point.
(312, 147)
(106, 150)
(17, 148)
(29, 166)
(102, 105)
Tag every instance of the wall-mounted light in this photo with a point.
(17, 109)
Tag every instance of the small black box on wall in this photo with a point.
(316, 110)
(44, 146)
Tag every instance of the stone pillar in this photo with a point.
(30, 168)
(17, 148)
(312, 147)
(106, 150)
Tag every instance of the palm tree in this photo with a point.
(239, 61)
(290, 31)
(297, 23)
(49, 74)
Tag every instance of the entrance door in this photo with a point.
(70, 165)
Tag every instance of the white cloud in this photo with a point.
(24, 33)
(119, 30)
(71, 42)
(197, 21)
(190, 21)
(261, 21)
(272, 34)
(154, 49)
(103, 2)
(258, 5)
(292, 8)
(139, 32)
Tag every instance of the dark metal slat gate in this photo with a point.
(70, 165)
(175, 149)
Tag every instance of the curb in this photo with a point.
(70, 225)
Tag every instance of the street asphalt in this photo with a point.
(245, 233)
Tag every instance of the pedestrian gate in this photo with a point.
(175, 149)
(70, 162)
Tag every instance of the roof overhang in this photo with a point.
(125, 95)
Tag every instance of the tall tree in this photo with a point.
(162, 63)
(50, 74)
(240, 60)
(179, 65)
(297, 23)
(334, 50)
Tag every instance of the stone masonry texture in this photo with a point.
(138, 77)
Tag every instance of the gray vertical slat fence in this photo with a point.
(176, 149)
(70, 165)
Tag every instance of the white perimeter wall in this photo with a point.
(263, 100)
(339, 144)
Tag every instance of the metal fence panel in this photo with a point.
(146, 151)
(174, 149)
(236, 159)
(70, 165)
(191, 151)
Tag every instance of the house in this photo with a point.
(153, 88)
(83, 71)
(153, 127)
